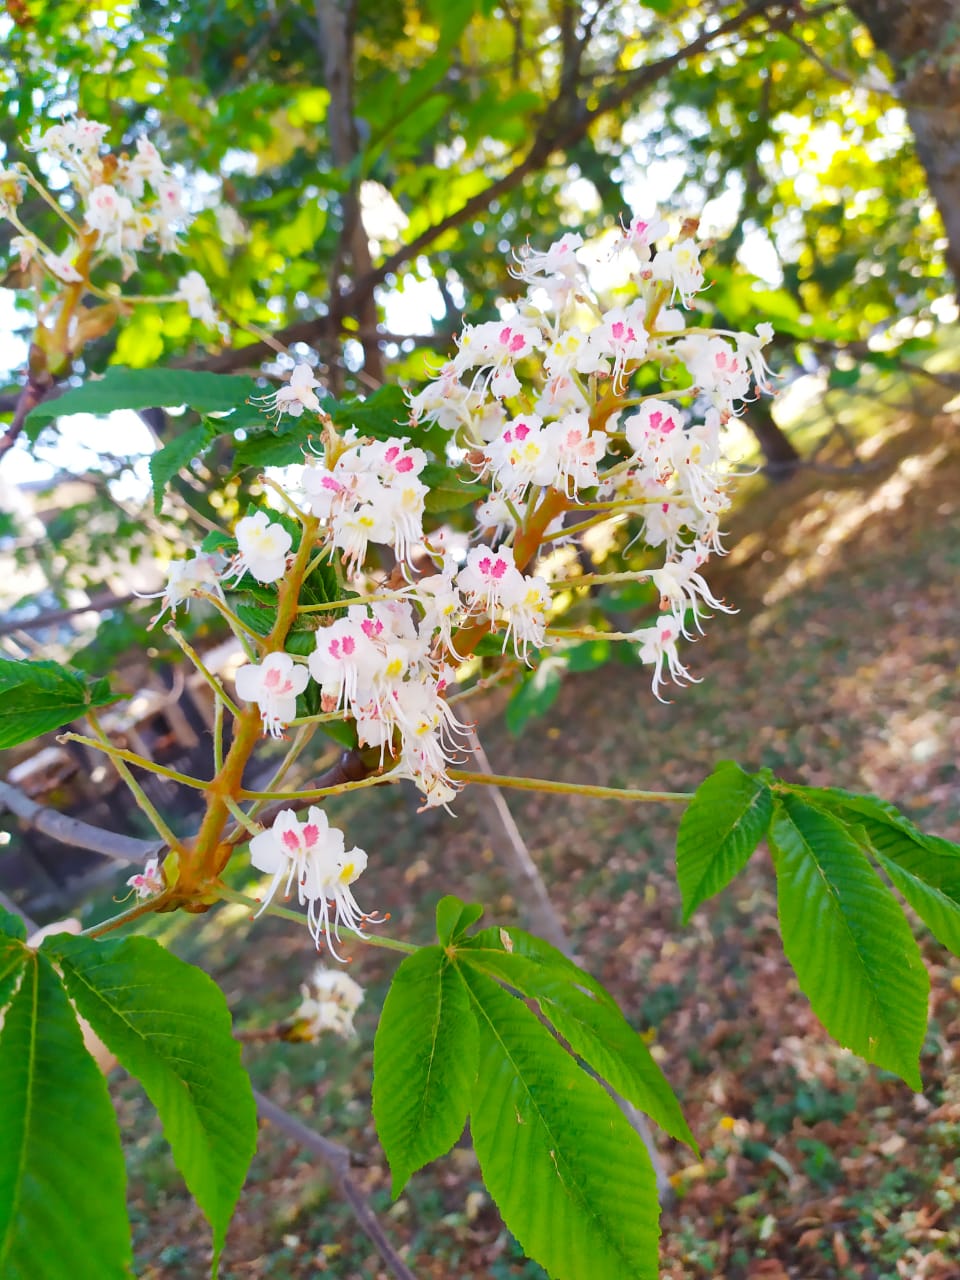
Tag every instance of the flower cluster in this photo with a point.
(128, 201)
(381, 665)
(542, 401)
(543, 413)
(372, 493)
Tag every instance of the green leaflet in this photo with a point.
(12, 955)
(938, 910)
(847, 939)
(169, 1025)
(62, 1178)
(570, 1176)
(176, 454)
(721, 827)
(454, 918)
(519, 942)
(37, 697)
(122, 388)
(925, 869)
(383, 415)
(595, 1030)
(11, 926)
(550, 1140)
(424, 1063)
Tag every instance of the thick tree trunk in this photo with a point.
(780, 458)
(922, 40)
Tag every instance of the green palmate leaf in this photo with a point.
(595, 1030)
(847, 939)
(569, 1174)
(455, 918)
(721, 827)
(169, 1025)
(62, 1180)
(154, 388)
(177, 454)
(424, 1063)
(382, 415)
(36, 697)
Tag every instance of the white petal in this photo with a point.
(266, 853)
(249, 682)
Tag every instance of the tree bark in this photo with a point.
(922, 40)
(780, 458)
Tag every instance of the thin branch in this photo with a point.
(879, 86)
(338, 1159)
(49, 617)
(36, 389)
(126, 850)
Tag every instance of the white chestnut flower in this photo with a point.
(185, 578)
(312, 855)
(262, 548)
(273, 685)
(194, 291)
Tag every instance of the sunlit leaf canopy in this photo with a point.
(780, 133)
(466, 129)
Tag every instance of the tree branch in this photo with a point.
(101, 603)
(339, 1160)
(335, 31)
(81, 835)
(129, 850)
(34, 391)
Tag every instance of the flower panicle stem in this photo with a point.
(210, 678)
(125, 917)
(626, 794)
(131, 757)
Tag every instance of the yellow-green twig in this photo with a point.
(571, 788)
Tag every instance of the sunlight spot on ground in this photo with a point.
(842, 516)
